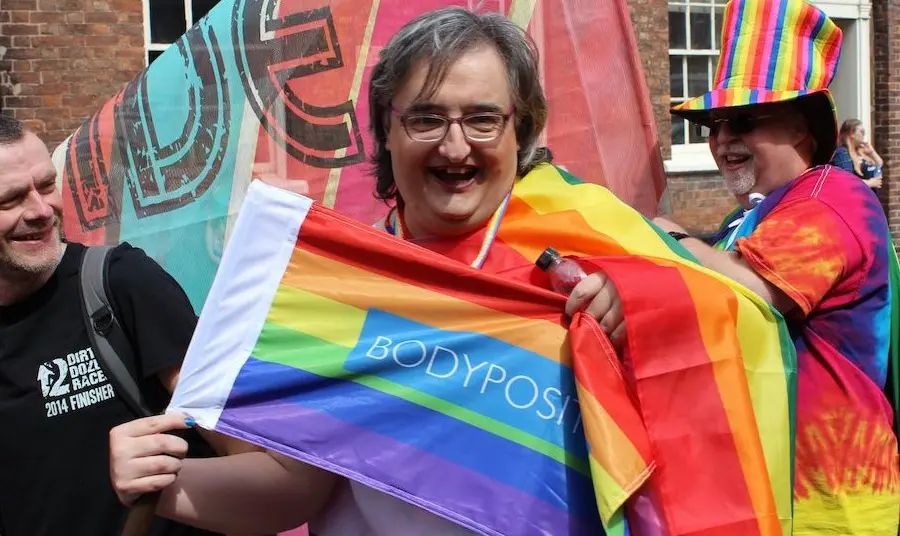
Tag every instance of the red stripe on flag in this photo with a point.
(682, 408)
(598, 371)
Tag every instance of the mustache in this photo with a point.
(54, 223)
(739, 149)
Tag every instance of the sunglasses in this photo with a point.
(738, 125)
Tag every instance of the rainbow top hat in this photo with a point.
(775, 51)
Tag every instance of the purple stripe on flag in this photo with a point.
(372, 459)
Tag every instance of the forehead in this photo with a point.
(24, 160)
(477, 76)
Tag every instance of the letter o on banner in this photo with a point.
(534, 386)
(422, 350)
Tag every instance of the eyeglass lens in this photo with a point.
(738, 125)
(479, 127)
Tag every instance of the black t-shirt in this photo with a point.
(57, 405)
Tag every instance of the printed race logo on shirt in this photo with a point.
(73, 383)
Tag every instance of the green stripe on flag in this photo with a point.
(285, 346)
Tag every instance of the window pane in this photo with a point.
(696, 134)
(701, 28)
(167, 22)
(676, 76)
(698, 75)
(152, 55)
(677, 28)
(719, 14)
(677, 131)
(201, 7)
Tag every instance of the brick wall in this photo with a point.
(651, 26)
(886, 111)
(60, 60)
(699, 201)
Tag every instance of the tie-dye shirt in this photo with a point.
(824, 244)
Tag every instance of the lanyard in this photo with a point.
(397, 227)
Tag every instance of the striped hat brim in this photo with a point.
(699, 108)
(817, 105)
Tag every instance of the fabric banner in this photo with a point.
(469, 394)
(276, 90)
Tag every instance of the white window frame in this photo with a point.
(859, 11)
(150, 46)
(691, 156)
(696, 158)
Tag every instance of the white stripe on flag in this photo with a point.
(241, 295)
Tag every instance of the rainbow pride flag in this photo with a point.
(469, 394)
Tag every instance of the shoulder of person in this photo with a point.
(152, 307)
(134, 273)
(132, 264)
(830, 187)
(841, 193)
(820, 179)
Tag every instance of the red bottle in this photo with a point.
(564, 273)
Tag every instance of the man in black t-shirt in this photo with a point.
(57, 404)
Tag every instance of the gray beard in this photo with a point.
(14, 268)
(741, 182)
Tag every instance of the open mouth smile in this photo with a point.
(33, 237)
(734, 161)
(456, 178)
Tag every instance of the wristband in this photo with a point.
(679, 236)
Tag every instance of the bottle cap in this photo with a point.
(547, 258)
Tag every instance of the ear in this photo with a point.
(799, 132)
(803, 141)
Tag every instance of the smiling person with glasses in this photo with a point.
(456, 110)
(454, 125)
(812, 240)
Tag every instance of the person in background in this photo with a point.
(856, 155)
(57, 403)
(813, 241)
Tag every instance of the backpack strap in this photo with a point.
(106, 333)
